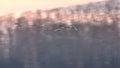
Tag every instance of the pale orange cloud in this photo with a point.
(18, 6)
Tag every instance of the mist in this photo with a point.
(62, 38)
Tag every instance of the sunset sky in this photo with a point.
(18, 6)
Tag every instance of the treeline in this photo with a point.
(47, 44)
(33, 42)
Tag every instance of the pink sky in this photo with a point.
(18, 6)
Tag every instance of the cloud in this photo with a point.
(23, 5)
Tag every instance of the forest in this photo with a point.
(63, 40)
